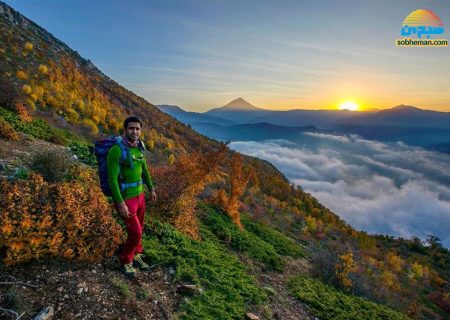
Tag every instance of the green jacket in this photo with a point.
(139, 171)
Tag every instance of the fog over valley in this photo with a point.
(388, 188)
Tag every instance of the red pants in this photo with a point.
(135, 227)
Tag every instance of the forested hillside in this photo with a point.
(228, 223)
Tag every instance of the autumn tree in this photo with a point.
(344, 267)
(238, 178)
(180, 184)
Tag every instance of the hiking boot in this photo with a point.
(138, 262)
(128, 270)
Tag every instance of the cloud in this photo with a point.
(387, 188)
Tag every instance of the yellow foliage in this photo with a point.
(21, 75)
(151, 144)
(389, 280)
(416, 271)
(93, 129)
(345, 266)
(26, 89)
(95, 119)
(43, 69)
(33, 97)
(31, 104)
(394, 261)
(171, 159)
(311, 224)
(28, 46)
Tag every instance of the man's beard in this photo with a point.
(133, 138)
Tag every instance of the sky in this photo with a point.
(382, 188)
(277, 55)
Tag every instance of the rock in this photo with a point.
(251, 316)
(60, 289)
(267, 278)
(270, 290)
(46, 314)
(171, 271)
(82, 287)
(277, 315)
(2, 167)
(315, 318)
(187, 289)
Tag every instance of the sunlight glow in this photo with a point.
(352, 106)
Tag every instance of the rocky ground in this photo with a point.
(99, 291)
(282, 305)
(88, 291)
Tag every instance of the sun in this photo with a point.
(349, 105)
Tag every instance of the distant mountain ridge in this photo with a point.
(411, 125)
(414, 126)
(402, 115)
(189, 117)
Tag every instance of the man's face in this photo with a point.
(133, 131)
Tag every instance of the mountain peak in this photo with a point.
(403, 107)
(240, 104)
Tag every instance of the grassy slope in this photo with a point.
(331, 304)
(228, 289)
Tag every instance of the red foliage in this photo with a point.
(179, 185)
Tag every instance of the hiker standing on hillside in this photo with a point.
(126, 179)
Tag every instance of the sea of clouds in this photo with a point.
(383, 188)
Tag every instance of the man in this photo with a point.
(126, 183)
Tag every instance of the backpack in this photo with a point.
(101, 150)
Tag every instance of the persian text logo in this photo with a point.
(422, 24)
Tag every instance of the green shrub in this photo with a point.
(123, 287)
(243, 241)
(329, 303)
(38, 128)
(83, 152)
(54, 165)
(227, 288)
(281, 243)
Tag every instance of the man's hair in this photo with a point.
(131, 119)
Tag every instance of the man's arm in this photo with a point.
(113, 168)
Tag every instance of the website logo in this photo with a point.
(418, 29)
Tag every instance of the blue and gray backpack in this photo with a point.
(101, 150)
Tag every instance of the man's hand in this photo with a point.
(123, 210)
(153, 196)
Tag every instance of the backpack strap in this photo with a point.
(126, 154)
(130, 185)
